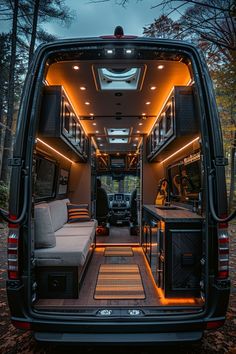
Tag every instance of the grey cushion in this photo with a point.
(90, 223)
(58, 211)
(88, 232)
(44, 233)
(69, 251)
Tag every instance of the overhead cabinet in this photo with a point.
(176, 125)
(60, 126)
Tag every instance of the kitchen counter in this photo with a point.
(172, 215)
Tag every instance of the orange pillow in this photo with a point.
(77, 212)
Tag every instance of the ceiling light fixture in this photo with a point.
(76, 67)
(87, 103)
(147, 103)
(97, 131)
(140, 123)
(109, 51)
(153, 88)
(160, 67)
(94, 123)
(128, 51)
(82, 88)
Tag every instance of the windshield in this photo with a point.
(124, 185)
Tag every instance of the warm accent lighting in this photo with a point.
(76, 67)
(144, 114)
(147, 103)
(138, 131)
(160, 67)
(153, 88)
(97, 131)
(140, 123)
(91, 114)
(184, 147)
(87, 103)
(94, 123)
(51, 148)
(174, 301)
(82, 88)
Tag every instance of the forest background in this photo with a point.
(210, 25)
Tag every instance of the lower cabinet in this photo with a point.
(174, 253)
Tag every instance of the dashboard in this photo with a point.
(119, 200)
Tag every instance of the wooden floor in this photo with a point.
(153, 295)
(118, 234)
(86, 294)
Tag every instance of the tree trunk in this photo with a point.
(11, 94)
(1, 132)
(232, 173)
(34, 30)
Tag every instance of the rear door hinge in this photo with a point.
(221, 161)
(15, 161)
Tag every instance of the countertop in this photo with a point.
(176, 215)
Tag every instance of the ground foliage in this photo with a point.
(13, 341)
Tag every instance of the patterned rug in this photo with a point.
(119, 282)
(118, 252)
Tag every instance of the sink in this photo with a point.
(167, 207)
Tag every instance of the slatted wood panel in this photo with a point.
(118, 252)
(119, 281)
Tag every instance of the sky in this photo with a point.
(95, 19)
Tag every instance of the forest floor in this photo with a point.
(14, 341)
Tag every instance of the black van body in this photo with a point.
(121, 325)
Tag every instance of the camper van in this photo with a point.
(118, 205)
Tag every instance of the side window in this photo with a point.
(45, 186)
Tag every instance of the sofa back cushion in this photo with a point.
(44, 233)
(58, 211)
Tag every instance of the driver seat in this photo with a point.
(102, 210)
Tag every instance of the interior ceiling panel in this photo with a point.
(118, 108)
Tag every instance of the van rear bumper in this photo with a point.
(119, 338)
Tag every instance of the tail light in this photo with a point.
(223, 251)
(13, 251)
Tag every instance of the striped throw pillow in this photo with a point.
(77, 212)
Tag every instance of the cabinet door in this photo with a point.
(183, 262)
(154, 250)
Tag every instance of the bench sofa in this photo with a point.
(62, 249)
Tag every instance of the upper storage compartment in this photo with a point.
(176, 125)
(59, 125)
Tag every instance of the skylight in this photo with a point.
(119, 78)
(118, 140)
(118, 131)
